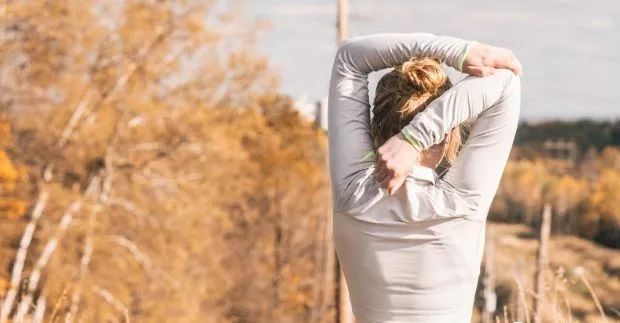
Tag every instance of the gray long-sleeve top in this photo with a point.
(469, 186)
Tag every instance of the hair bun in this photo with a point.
(424, 74)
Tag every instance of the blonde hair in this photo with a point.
(405, 92)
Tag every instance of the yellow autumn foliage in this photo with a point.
(602, 216)
(584, 199)
(8, 171)
(11, 207)
(203, 191)
(4, 285)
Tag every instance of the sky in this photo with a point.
(570, 49)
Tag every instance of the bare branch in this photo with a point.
(127, 205)
(48, 250)
(39, 311)
(132, 247)
(110, 299)
(75, 117)
(20, 258)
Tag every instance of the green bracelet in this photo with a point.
(463, 56)
(414, 142)
(371, 155)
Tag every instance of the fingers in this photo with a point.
(517, 67)
(395, 158)
(385, 175)
(385, 183)
(481, 70)
(509, 61)
(484, 56)
(382, 174)
(395, 184)
(512, 63)
(487, 70)
(389, 180)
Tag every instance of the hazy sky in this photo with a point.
(570, 49)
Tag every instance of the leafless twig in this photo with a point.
(110, 299)
(20, 258)
(39, 311)
(593, 294)
(144, 260)
(48, 250)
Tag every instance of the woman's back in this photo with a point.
(409, 257)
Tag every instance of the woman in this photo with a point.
(412, 253)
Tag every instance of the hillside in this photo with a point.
(585, 133)
(515, 250)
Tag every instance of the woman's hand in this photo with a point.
(482, 60)
(396, 157)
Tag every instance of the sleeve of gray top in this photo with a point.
(494, 104)
(349, 109)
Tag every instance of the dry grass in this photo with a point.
(582, 283)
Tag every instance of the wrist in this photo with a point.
(464, 53)
(411, 140)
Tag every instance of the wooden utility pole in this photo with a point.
(344, 311)
(318, 115)
(542, 262)
(488, 282)
(325, 256)
(343, 20)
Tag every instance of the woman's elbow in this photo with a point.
(513, 96)
(510, 100)
(512, 82)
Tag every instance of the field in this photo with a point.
(571, 258)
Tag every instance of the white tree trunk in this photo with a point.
(20, 258)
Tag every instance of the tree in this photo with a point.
(601, 219)
(178, 178)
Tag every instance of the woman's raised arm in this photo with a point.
(349, 110)
(494, 102)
